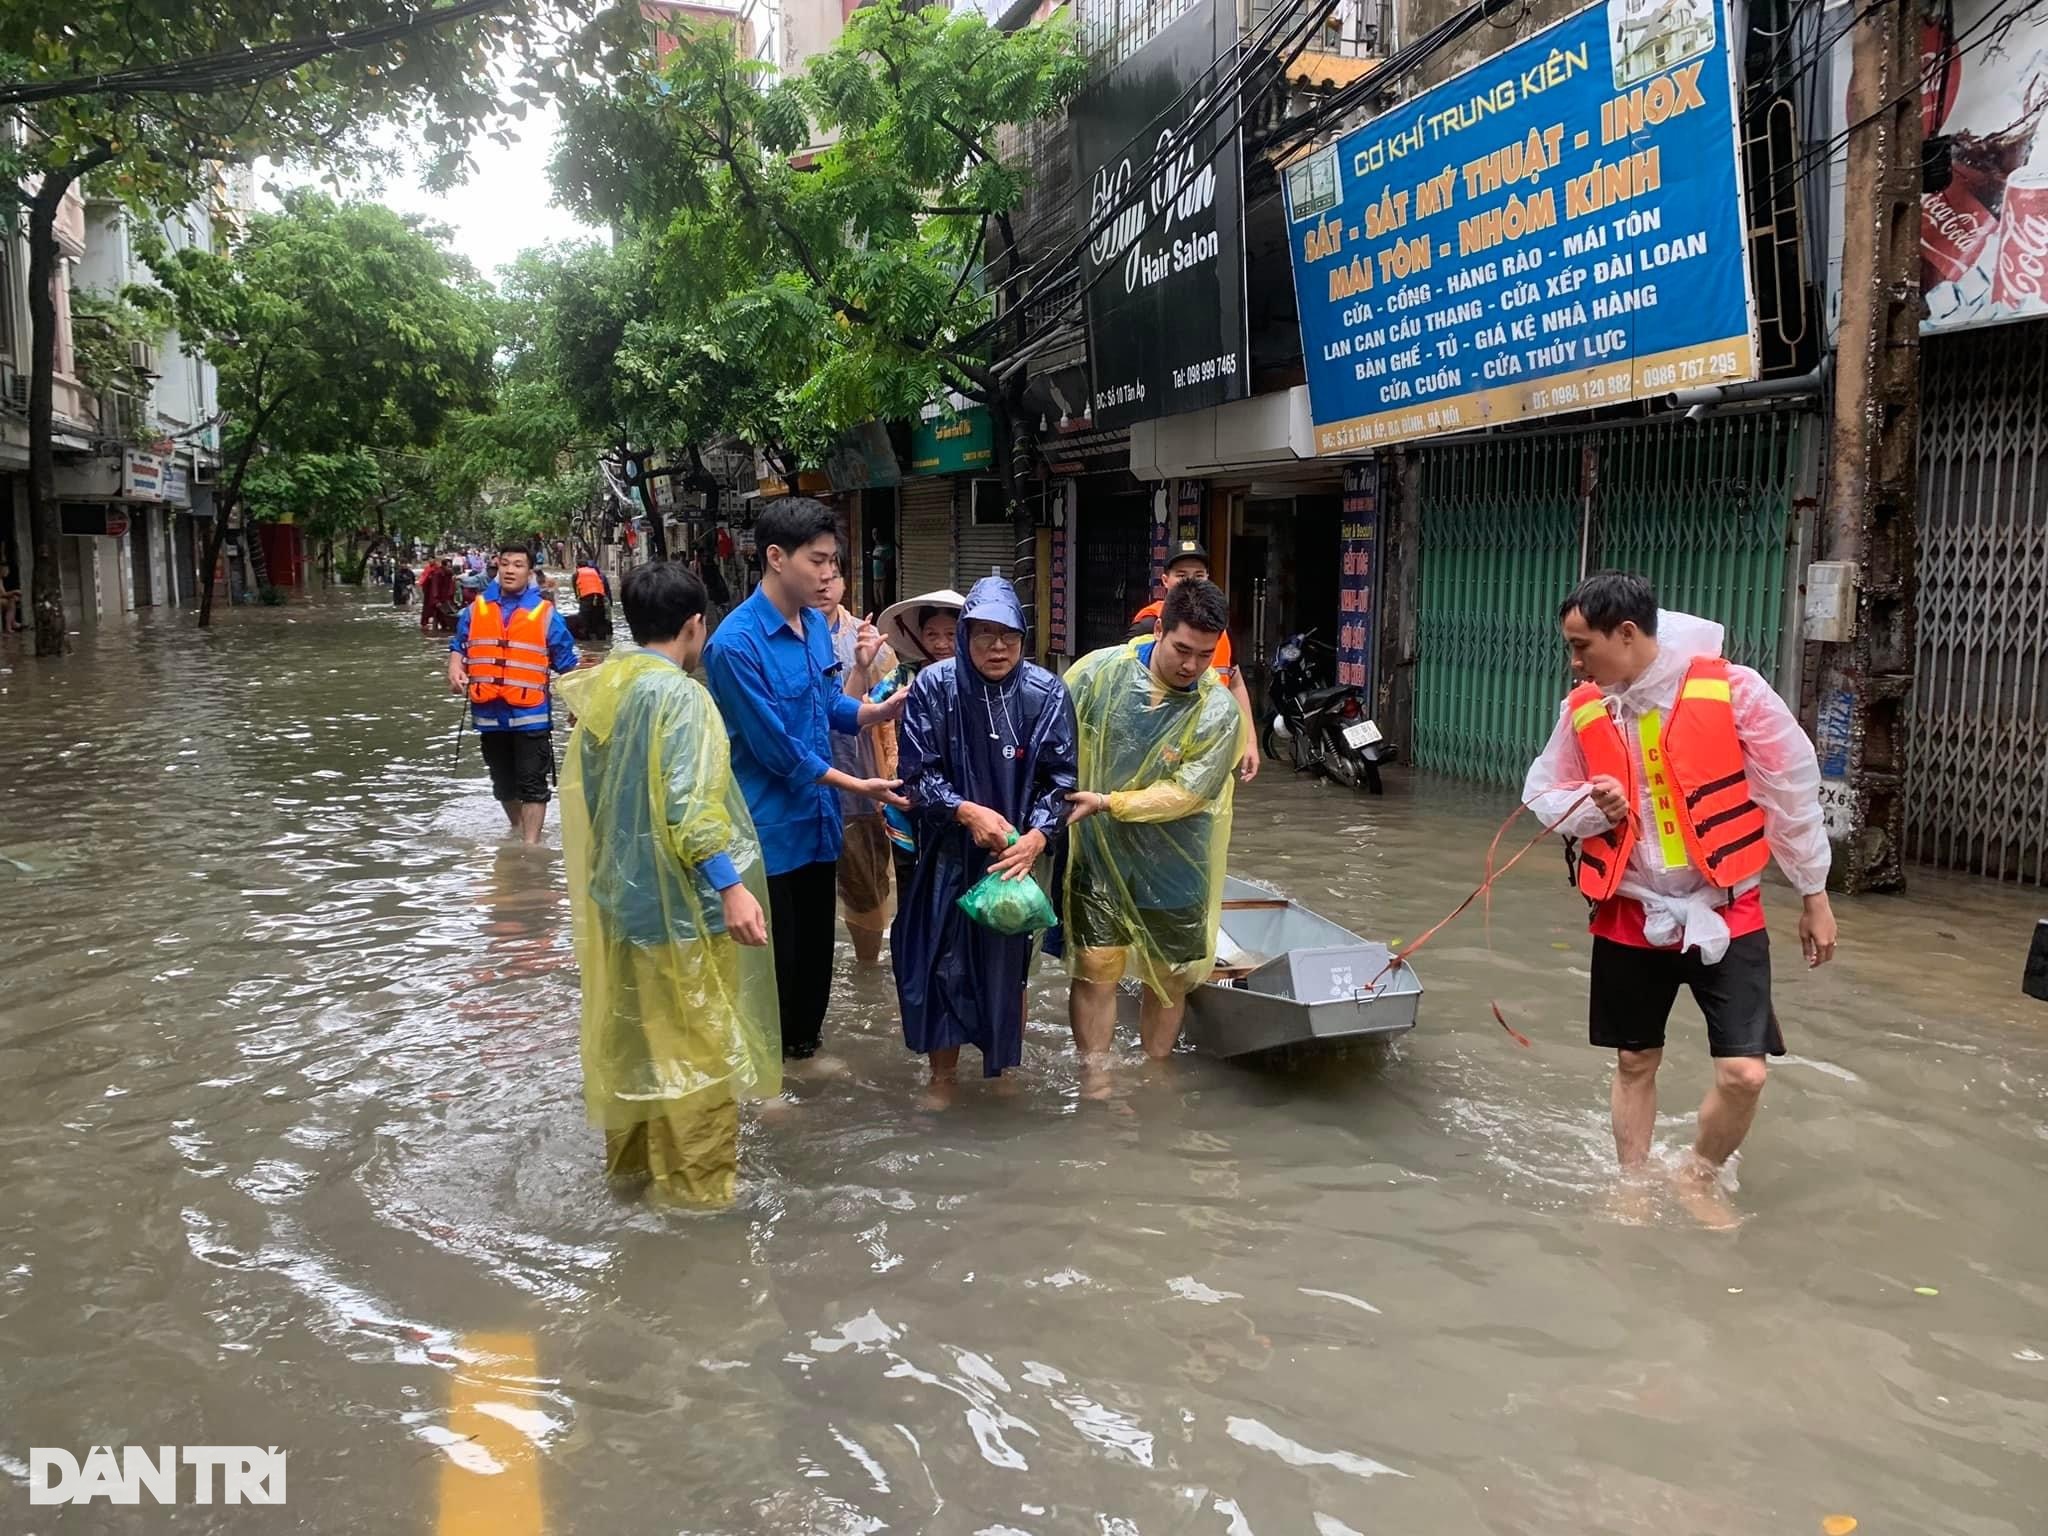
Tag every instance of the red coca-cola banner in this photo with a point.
(1984, 236)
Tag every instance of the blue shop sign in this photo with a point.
(1559, 228)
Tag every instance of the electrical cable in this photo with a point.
(241, 66)
(1402, 62)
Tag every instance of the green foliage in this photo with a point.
(104, 327)
(346, 338)
(549, 508)
(439, 85)
(785, 298)
(332, 325)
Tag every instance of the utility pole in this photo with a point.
(1862, 664)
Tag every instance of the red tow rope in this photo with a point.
(1485, 888)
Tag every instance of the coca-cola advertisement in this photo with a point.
(1984, 236)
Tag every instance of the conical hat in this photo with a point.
(898, 623)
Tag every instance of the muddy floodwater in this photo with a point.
(295, 1157)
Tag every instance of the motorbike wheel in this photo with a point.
(1341, 764)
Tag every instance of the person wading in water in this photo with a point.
(1693, 775)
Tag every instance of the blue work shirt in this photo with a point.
(782, 696)
(562, 656)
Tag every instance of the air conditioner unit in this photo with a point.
(205, 472)
(14, 386)
(142, 357)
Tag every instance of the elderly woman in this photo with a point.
(987, 759)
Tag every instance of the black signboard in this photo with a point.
(1166, 322)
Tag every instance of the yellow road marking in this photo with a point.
(495, 1489)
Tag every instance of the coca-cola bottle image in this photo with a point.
(1957, 223)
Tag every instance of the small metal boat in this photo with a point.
(1288, 977)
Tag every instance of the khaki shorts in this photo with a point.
(864, 867)
(1109, 964)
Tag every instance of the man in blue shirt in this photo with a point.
(776, 678)
(505, 645)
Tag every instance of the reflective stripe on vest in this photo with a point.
(1663, 788)
(1603, 857)
(508, 658)
(1719, 828)
(1723, 825)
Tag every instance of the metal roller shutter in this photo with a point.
(924, 535)
(1704, 509)
(992, 545)
(1977, 775)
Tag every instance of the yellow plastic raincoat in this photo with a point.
(679, 1019)
(1145, 880)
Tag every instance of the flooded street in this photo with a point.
(296, 1158)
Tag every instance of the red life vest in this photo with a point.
(508, 659)
(1699, 787)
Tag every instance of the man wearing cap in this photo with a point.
(1189, 561)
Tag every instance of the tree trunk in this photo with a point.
(209, 563)
(46, 589)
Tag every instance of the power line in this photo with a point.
(241, 66)
(1403, 61)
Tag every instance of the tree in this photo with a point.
(147, 96)
(334, 327)
(858, 285)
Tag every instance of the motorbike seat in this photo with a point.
(1322, 698)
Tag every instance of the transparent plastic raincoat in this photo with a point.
(1145, 879)
(679, 1020)
(1679, 906)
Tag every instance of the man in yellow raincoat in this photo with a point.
(1150, 829)
(668, 894)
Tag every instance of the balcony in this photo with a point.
(1353, 37)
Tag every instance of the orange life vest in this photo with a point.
(1699, 789)
(588, 582)
(508, 659)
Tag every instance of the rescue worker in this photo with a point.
(987, 759)
(1150, 827)
(667, 895)
(1189, 561)
(1693, 776)
(593, 602)
(505, 644)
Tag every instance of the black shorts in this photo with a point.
(1634, 988)
(521, 763)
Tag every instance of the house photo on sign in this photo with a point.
(1557, 229)
(1159, 158)
(1984, 203)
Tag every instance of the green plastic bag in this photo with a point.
(1012, 907)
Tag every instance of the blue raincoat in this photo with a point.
(1008, 746)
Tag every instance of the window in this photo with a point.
(988, 509)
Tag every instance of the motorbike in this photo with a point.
(1319, 728)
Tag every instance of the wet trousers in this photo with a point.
(691, 1155)
(803, 915)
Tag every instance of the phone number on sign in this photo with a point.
(1201, 373)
